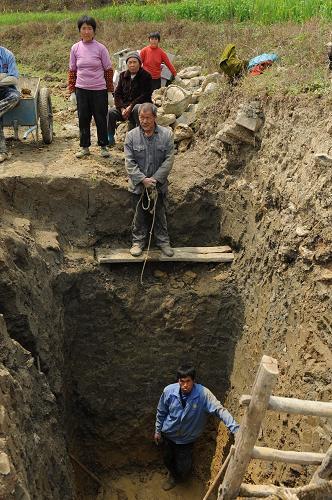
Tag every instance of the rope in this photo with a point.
(152, 196)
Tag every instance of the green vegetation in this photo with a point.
(259, 11)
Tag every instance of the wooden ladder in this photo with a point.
(244, 449)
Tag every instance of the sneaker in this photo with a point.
(3, 157)
(83, 152)
(167, 250)
(136, 250)
(104, 152)
(169, 483)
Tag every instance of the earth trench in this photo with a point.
(88, 349)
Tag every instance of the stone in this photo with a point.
(212, 77)
(69, 131)
(165, 120)
(323, 159)
(194, 82)
(190, 72)
(235, 133)
(325, 275)
(210, 88)
(182, 132)
(176, 100)
(305, 253)
(189, 116)
(2, 417)
(4, 464)
(159, 274)
(301, 231)
(189, 276)
(253, 124)
(184, 145)
(196, 95)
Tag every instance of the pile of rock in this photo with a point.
(177, 104)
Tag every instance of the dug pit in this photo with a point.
(89, 350)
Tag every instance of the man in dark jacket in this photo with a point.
(134, 88)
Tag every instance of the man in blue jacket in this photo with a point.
(181, 415)
(9, 95)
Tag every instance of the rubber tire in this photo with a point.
(45, 115)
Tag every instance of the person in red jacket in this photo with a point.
(152, 57)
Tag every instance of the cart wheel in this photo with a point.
(45, 115)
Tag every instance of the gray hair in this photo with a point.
(148, 107)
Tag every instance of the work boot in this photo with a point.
(136, 250)
(3, 157)
(169, 482)
(167, 249)
(104, 152)
(83, 152)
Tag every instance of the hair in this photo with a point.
(154, 34)
(90, 21)
(148, 106)
(186, 370)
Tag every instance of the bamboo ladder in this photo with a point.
(244, 450)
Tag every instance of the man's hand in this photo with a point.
(126, 112)
(149, 182)
(157, 438)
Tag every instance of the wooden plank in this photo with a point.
(293, 405)
(289, 457)
(220, 249)
(180, 255)
(249, 429)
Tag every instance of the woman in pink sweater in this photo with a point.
(152, 57)
(90, 84)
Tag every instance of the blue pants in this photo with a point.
(9, 97)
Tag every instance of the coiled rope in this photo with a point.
(152, 198)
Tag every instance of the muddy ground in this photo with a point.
(89, 349)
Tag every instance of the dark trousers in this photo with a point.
(156, 84)
(115, 115)
(143, 220)
(92, 103)
(9, 97)
(178, 459)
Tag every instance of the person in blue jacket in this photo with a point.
(9, 95)
(181, 415)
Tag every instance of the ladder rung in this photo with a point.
(290, 457)
(293, 405)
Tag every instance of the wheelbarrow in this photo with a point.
(34, 110)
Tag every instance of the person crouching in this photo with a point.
(134, 88)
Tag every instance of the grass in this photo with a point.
(213, 11)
